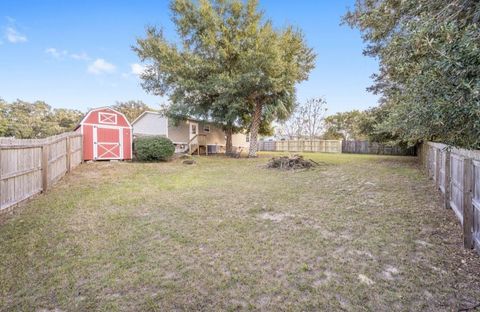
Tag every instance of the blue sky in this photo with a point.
(77, 54)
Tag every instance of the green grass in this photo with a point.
(359, 233)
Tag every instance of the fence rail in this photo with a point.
(319, 146)
(30, 166)
(456, 173)
(367, 147)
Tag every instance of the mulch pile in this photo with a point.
(295, 162)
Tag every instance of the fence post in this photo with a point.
(45, 147)
(81, 149)
(447, 180)
(1, 195)
(68, 158)
(437, 168)
(467, 203)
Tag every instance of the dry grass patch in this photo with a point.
(362, 233)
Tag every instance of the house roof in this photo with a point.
(158, 113)
(143, 114)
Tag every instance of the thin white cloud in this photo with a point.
(14, 36)
(137, 69)
(80, 56)
(56, 53)
(100, 66)
(61, 54)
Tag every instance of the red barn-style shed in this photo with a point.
(107, 134)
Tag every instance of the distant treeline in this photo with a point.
(25, 120)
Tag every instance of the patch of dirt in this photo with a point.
(365, 280)
(275, 217)
(390, 273)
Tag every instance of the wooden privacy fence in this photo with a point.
(456, 173)
(28, 167)
(321, 146)
(367, 147)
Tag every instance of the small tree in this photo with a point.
(307, 120)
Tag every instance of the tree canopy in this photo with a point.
(344, 125)
(131, 109)
(24, 120)
(231, 66)
(429, 75)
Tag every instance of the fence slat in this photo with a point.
(467, 203)
(447, 180)
(45, 167)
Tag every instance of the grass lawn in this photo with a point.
(360, 233)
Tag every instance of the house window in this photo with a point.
(247, 138)
(194, 129)
(206, 128)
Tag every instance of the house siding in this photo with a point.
(216, 136)
(240, 140)
(179, 132)
(151, 124)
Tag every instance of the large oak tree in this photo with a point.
(230, 66)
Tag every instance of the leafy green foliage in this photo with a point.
(345, 125)
(131, 109)
(153, 148)
(429, 74)
(231, 66)
(24, 120)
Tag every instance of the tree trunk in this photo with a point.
(228, 144)
(257, 118)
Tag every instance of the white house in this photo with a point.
(191, 135)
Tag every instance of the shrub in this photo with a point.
(153, 148)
